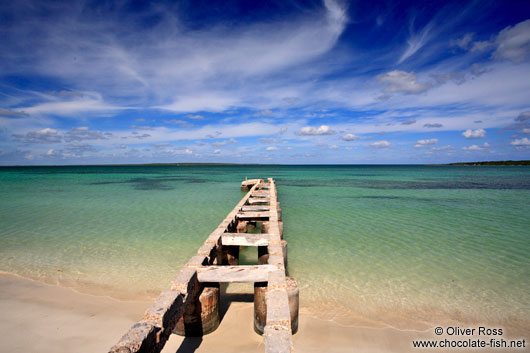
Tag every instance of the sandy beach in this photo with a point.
(39, 317)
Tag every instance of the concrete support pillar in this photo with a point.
(200, 317)
(263, 254)
(241, 227)
(265, 227)
(228, 255)
(260, 305)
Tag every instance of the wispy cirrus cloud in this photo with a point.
(416, 40)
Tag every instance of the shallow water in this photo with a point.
(373, 245)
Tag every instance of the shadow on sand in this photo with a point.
(190, 344)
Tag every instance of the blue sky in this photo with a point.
(264, 81)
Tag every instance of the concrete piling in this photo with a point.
(200, 317)
(260, 305)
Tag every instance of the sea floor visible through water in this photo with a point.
(409, 247)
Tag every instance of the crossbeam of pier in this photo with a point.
(196, 286)
(241, 274)
(245, 239)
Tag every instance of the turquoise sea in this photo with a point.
(400, 246)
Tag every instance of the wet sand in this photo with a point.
(39, 317)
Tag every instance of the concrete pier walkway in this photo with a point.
(191, 306)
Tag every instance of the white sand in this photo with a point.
(38, 317)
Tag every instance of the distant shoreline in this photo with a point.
(481, 163)
(515, 163)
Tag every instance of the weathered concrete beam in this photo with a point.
(253, 215)
(247, 184)
(256, 273)
(254, 200)
(245, 239)
(255, 208)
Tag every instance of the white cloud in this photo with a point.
(409, 122)
(464, 42)
(524, 116)
(207, 101)
(424, 143)
(265, 112)
(177, 122)
(476, 147)
(46, 135)
(433, 125)
(416, 41)
(321, 130)
(217, 151)
(474, 134)
(195, 117)
(521, 142)
(398, 81)
(272, 148)
(11, 113)
(481, 45)
(442, 148)
(380, 144)
(513, 43)
(224, 143)
(167, 64)
(350, 137)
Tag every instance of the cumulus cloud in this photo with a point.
(424, 143)
(432, 126)
(272, 148)
(521, 142)
(321, 130)
(350, 137)
(476, 147)
(513, 43)
(474, 134)
(44, 136)
(398, 81)
(380, 144)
